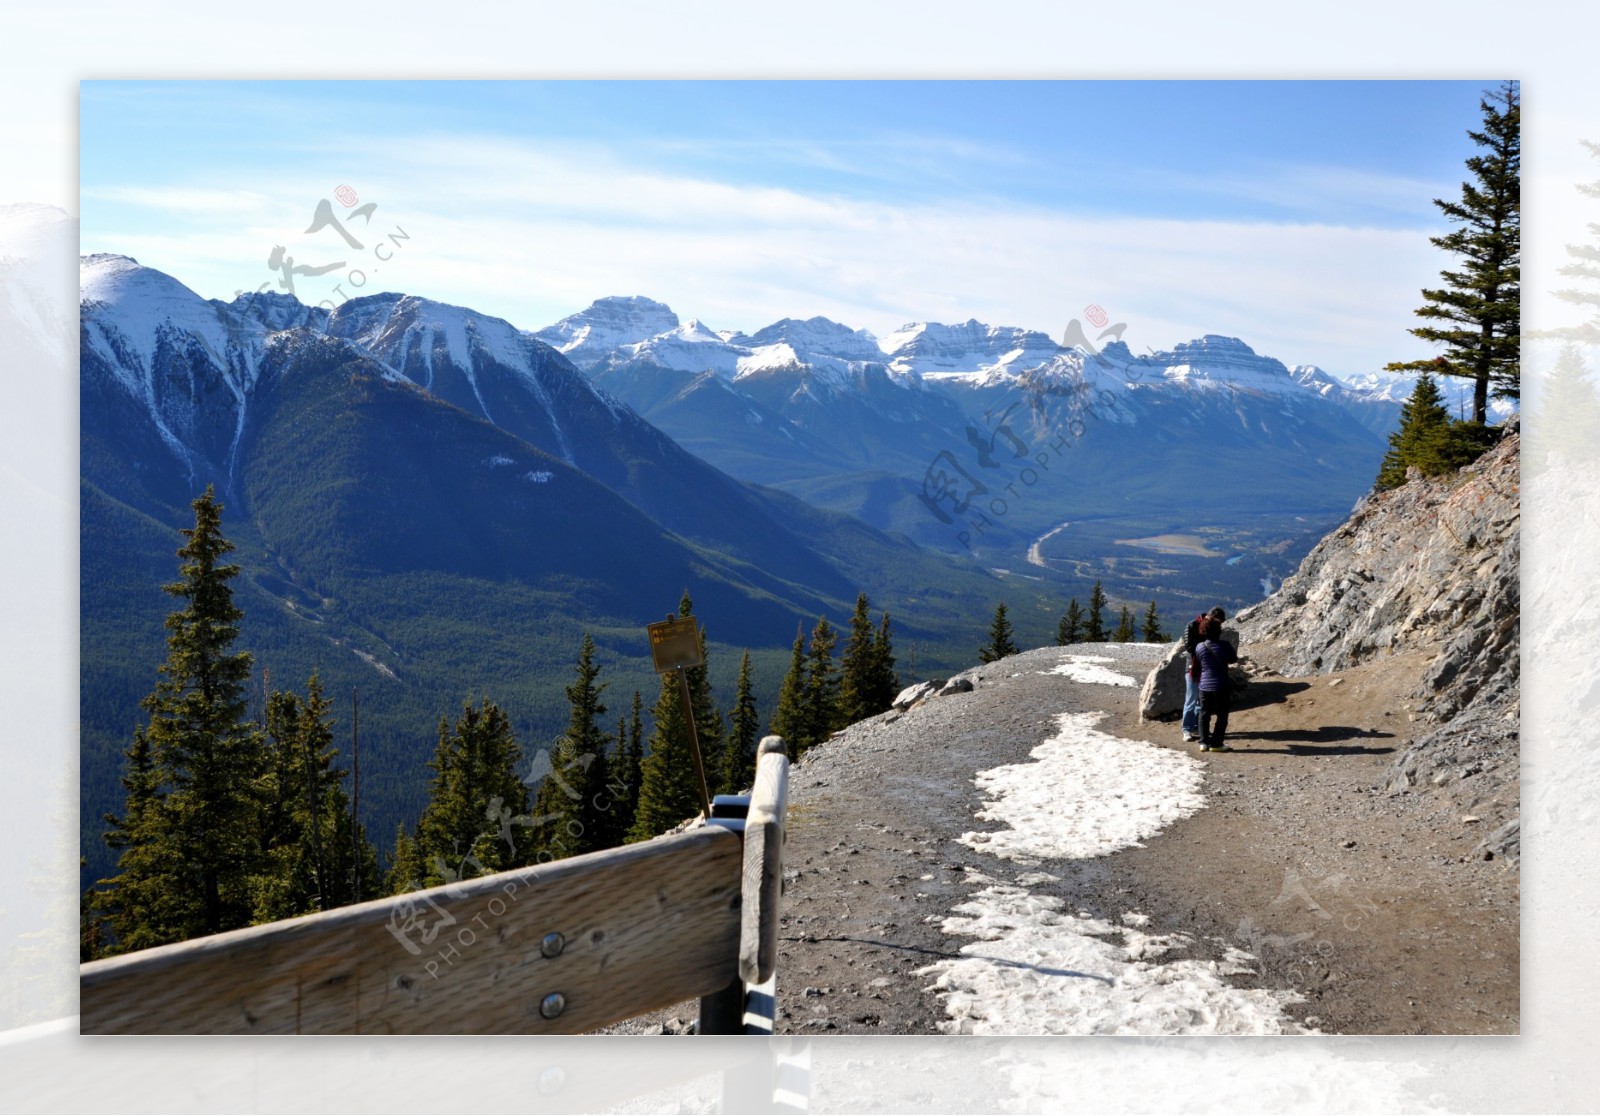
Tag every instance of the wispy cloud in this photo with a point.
(533, 233)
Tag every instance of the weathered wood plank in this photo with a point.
(643, 927)
(763, 863)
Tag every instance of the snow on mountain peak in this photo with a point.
(606, 325)
(819, 336)
(970, 347)
(139, 304)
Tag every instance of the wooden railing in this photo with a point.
(562, 948)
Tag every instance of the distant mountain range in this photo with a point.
(430, 503)
(936, 431)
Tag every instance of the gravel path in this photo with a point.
(1293, 894)
(1367, 910)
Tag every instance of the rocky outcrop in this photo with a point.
(1432, 566)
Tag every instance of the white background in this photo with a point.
(1552, 1067)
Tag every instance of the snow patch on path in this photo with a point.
(1085, 794)
(1037, 968)
(1087, 668)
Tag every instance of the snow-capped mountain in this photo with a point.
(607, 325)
(161, 365)
(971, 348)
(855, 422)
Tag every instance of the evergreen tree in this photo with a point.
(788, 719)
(1095, 630)
(1422, 439)
(668, 790)
(1480, 305)
(708, 723)
(885, 682)
(739, 760)
(189, 849)
(855, 667)
(567, 804)
(999, 645)
(477, 805)
(405, 865)
(1069, 629)
(1585, 265)
(627, 772)
(1565, 413)
(135, 906)
(821, 701)
(1124, 632)
(1152, 626)
(305, 827)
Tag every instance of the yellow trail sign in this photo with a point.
(675, 644)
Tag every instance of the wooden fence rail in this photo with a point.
(562, 948)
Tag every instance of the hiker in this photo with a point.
(1191, 679)
(1214, 654)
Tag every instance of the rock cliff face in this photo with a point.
(1431, 567)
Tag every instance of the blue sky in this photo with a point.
(1292, 214)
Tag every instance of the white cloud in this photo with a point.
(533, 234)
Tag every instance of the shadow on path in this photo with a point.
(1262, 692)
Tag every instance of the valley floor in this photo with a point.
(1273, 889)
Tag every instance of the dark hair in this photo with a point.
(1218, 614)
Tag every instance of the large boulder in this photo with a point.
(911, 695)
(1162, 696)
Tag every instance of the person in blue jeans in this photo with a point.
(1214, 654)
(1191, 679)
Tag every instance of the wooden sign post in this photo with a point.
(675, 646)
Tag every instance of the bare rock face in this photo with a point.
(1430, 566)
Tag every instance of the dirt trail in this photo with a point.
(1370, 906)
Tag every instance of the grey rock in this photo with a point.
(911, 695)
(1434, 567)
(956, 686)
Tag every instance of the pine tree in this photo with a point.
(1124, 632)
(189, 849)
(1565, 413)
(1480, 305)
(1069, 629)
(709, 727)
(1585, 265)
(821, 701)
(471, 826)
(739, 759)
(627, 772)
(1422, 439)
(885, 682)
(405, 865)
(308, 853)
(788, 719)
(856, 667)
(668, 791)
(568, 802)
(1152, 626)
(999, 645)
(1095, 630)
(135, 906)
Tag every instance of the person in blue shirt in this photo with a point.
(1214, 654)
(1192, 635)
